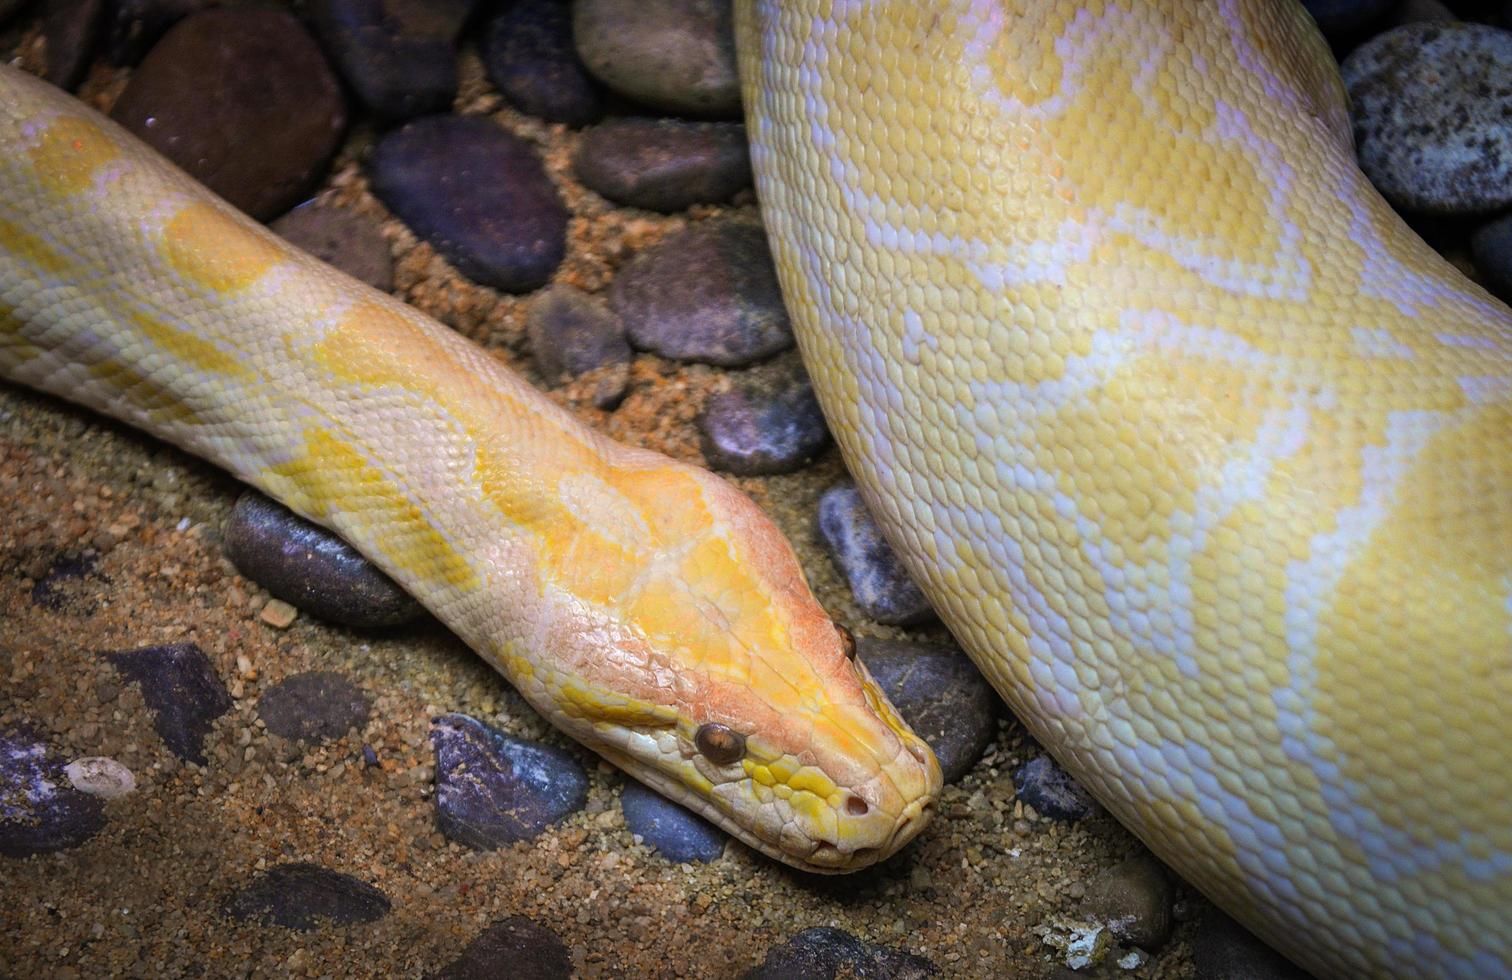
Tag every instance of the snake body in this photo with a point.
(1201, 453)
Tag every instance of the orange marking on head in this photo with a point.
(71, 152)
(212, 248)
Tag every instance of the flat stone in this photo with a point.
(768, 422)
(101, 776)
(1222, 949)
(39, 810)
(824, 951)
(399, 56)
(664, 164)
(182, 690)
(676, 55)
(71, 31)
(349, 240)
(134, 26)
(1052, 791)
(572, 333)
(676, 832)
(476, 193)
(879, 583)
(706, 294)
(511, 949)
(493, 789)
(243, 100)
(301, 895)
(529, 54)
(316, 707)
(1432, 110)
(311, 568)
(1134, 898)
(940, 693)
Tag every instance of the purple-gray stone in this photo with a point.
(40, 811)
(300, 896)
(879, 583)
(182, 690)
(676, 55)
(664, 164)
(768, 422)
(316, 706)
(824, 951)
(677, 833)
(349, 240)
(572, 333)
(1052, 791)
(940, 693)
(529, 55)
(511, 949)
(399, 56)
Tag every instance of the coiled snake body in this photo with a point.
(1197, 449)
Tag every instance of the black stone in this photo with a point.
(572, 333)
(511, 949)
(677, 833)
(1052, 791)
(301, 895)
(940, 693)
(136, 25)
(664, 164)
(399, 56)
(529, 55)
(40, 811)
(879, 583)
(71, 31)
(54, 589)
(1135, 898)
(768, 422)
(183, 691)
(317, 706)
(822, 952)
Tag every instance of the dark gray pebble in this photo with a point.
(1052, 791)
(529, 55)
(349, 240)
(55, 589)
(1343, 17)
(399, 56)
(301, 895)
(706, 294)
(1222, 949)
(664, 164)
(1491, 249)
(881, 586)
(511, 949)
(822, 952)
(493, 789)
(678, 833)
(1431, 104)
(1135, 899)
(136, 25)
(478, 194)
(767, 422)
(676, 55)
(316, 706)
(243, 100)
(71, 30)
(309, 567)
(940, 693)
(40, 811)
(572, 333)
(182, 690)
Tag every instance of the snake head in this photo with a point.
(696, 658)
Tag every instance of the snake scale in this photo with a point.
(1198, 450)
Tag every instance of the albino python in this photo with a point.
(1197, 449)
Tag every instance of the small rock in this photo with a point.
(71, 31)
(1222, 949)
(1414, 11)
(572, 333)
(136, 25)
(54, 589)
(39, 810)
(676, 55)
(399, 56)
(664, 164)
(1134, 899)
(243, 100)
(706, 294)
(299, 895)
(1052, 791)
(278, 614)
(824, 951)
(310, 567)
(316, 707)
(1491, 248)
(881, 586)
(940, 693)
(348, 240)
(768, 422)
(478, 194)
(183, 691)
(511, 949)
(493, 789)
(678, 833)
(1431, 115)
(529, 55)
(100, 776)
(1343, 17)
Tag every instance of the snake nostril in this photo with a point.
(857, 807)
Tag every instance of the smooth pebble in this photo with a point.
(300, 896)
(514, 948)
(100, 776)
(317, 706)
(182, 690)
(675, 55)
(529, 55)
(1134, 898)
(399, 56)
(664, 164)
(1052, 791)
(881, 586)
(677, 833)
(768, 422)
(40, 811)
(940, 693)
(349, 240)
(572, 333)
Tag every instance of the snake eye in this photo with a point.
(847, 642)
(720, 744)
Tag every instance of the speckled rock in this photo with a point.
(349, 240)
(1222, 949)
(39, 810)
(301, 895)
(1134, 899)
(664, 164)
(478, 194)
(529, 56)
(71, 32)
(310, 567)
(878, 581)
(1339, 17)
(768, 422)
(182, 690)
(1052, 791)
(493, 789)
(511, 949)
(1431, 105)
(572, 333)
(316, 706)
(676, 55)
(134, 26)
(706, 294)
(244, 101)
(100, 776)
(677, 833)
(940, 693)
(399, 56)
(823, 951)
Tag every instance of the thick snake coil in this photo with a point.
(1198, 450)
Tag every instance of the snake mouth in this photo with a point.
(830, 856)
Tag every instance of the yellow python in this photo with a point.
(1196, 448)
